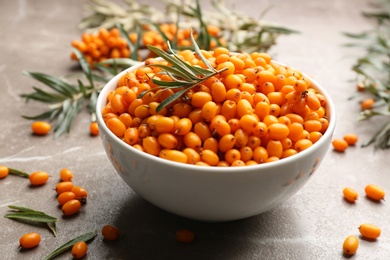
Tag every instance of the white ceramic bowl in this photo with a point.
(212, 194)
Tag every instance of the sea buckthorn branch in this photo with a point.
(373, 72)
(183, 75)
(27, 214)
(66, 100)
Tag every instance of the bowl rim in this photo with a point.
(109, 86)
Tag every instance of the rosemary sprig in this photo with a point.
(373, 70)
(68, 245)
(183, 75)
(28, 214)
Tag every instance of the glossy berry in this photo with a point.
(79, 249)
(369, 231)
(66, 174)
(71, 207)
(94, 129)
(374, 192)
(4, 171)
(38, 178)
(110, 232)
(64, 186)
(65, 197)
(350, 194)
(30, 240)
(40, 128)
(339, 145)
(350, 245)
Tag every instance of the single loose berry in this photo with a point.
(4, 171)
(369, 231)
(30, 240)
(350, 194)
(79, 249)
(110, 232)
(40, 128)
(350, 245)
(66, 174)
(38, 178)
(374, 192)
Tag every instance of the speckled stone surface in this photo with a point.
(36, 35)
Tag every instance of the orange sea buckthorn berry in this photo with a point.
(185, 236)
(38, 178)
(94, 129)
(174, 155)
(66, 174)
(40, 128)
(79, 249)
(164, 125)
(30, 240)
(367, 103)
(274, 148)
(116, 126)
(278, 131)
(4, 171)
(80, 192)
(369, 231)
(192, 156)
(260, 154)
(339, 145)
(131, 135)
(351, 139)
(350, 245)
(302, 144)
(209, 157)
(110, 232)
(64, 186)
(193, 141)
(65, 197)
(71, 207)
(167, 140)
(350, 194)
(374, 192)
(209, 110)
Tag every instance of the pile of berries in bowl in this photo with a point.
(214, 135)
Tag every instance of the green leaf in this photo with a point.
(28, 214)
(170, 99)
(84, 65)
(45, 115)
(201, 56)
(177, 63)
(175, 71)
(54, 83)
(18, 172)
(68, 245)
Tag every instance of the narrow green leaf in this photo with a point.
(169, 83)
(84, 65)
(177, 63)
(28, 214)
(53, 227)
(170, 99)
(18, 172)
(68, 245)
(31, 216)
(43, 96)
(44, 115)
(54, 83)
(175, 71)
(201, 56)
